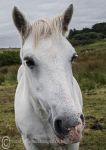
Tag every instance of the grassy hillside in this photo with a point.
(90, 71)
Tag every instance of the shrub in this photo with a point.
(87, 35)
(100, 28)
(9, 58)
(85, 38)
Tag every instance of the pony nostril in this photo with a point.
(82, 117)
(62, 125)
(58, 126)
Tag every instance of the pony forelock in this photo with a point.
(46, 28)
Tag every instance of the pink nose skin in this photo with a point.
(68, 125)
(74, 135)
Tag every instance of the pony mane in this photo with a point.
(45, 28)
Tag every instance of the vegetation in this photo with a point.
(86, 35)
(9, 57)
(8, 75)
(89, 70)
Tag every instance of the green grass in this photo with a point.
(95, 115)
(90, 71)
(8, 75)
(90, 68)
(7, 122)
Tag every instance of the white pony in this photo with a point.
(48, 100)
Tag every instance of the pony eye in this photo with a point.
(74, 57)
(30, 62)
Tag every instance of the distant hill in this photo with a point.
(88, 35)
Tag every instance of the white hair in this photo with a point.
(45, 28)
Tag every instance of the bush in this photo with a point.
(85, 38)
(9, 58)
(100, 28)
(87, 35)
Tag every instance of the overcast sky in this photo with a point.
(86, 13)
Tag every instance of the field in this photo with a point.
(89, 70)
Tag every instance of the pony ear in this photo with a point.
(20, 22)
(67, 17)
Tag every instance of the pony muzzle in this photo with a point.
(69, 129)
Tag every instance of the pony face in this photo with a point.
(47, 61)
